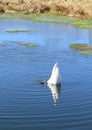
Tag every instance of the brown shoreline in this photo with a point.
(73, 8)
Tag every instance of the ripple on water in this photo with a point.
(26, 105)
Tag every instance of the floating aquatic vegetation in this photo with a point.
(16, 31)
(83, 49)
(27, 44)
(80, 47)
(86, 52)
(12, 43)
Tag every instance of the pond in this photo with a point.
(26, 105)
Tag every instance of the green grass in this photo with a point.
(50, 18)
(87, 23)
(16, 31)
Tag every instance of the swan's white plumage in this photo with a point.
(55, 77)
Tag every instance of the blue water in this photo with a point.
(26, 105)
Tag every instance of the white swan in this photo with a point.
(55, 77)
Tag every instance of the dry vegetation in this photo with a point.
(74, 8)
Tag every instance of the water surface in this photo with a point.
(26, 105)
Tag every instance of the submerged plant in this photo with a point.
(80, 47)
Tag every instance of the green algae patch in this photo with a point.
(16, 31)
(27, 44)
(86, 52)
(80, 47)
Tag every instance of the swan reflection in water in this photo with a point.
(55, 90)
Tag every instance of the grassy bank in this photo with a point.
(51, 18)
(76, 12)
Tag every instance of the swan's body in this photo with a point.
(55, 77)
